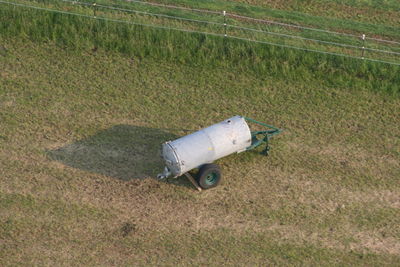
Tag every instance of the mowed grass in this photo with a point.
(366, 11)
(80, 132)
(369, 17)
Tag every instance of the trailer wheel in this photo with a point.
(209, 176)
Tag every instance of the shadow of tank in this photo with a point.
(124, 152)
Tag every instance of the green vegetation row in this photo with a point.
(188, 19)
(322, 23)
(213, 23)
(84, 33)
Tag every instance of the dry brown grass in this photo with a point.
(78, 169)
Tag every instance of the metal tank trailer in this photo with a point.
(200, 149)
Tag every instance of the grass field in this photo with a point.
(374, 16)
(81, 126)
(374, 11)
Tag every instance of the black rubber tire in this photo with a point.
(209, 176)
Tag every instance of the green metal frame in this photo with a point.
(262, 137)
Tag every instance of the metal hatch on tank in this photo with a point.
(200, 149)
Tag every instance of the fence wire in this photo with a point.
(260, 20)
(205, 33)
(231, 26)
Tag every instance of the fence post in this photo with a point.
(363, 47)
(94, 10)
(224, 13)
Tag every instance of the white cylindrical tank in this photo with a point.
(205, 146)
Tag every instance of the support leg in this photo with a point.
(266, 150)
(193, 181)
